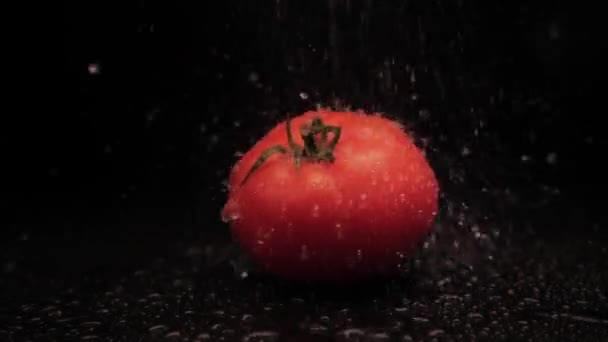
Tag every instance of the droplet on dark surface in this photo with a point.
(90, 324)
(378, 337)
(173, 336)
(351, 334)
(318, 329)
(262, 336)
(420, 320)
(436, 333)
(157, 328)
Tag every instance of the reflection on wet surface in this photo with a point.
(459, 287)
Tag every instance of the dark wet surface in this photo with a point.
(177, 285)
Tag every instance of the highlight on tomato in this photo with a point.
(332, 196)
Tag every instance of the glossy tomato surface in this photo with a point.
(353, 217)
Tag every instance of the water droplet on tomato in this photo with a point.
(231, 216)
(402, 198)
(315, 210)
(386, 177)
(339, 232)
(363, 196)
(234, 216)
(304, 253)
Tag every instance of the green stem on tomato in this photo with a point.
(314, 150)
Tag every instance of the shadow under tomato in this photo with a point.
(355, 291)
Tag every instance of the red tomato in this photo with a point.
(346, 199)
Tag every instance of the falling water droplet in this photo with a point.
(94, 68)
(554, 31)
(551, 158)
(254, 77)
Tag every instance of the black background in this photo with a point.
(131, 135)
(136, 155)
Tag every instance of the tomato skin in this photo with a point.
(351, 218)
